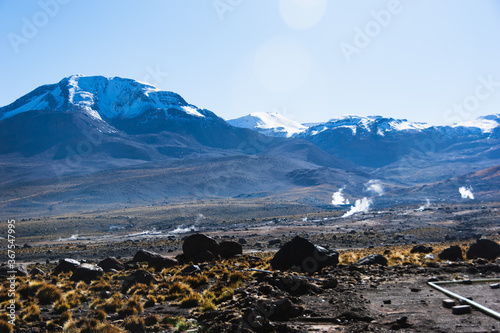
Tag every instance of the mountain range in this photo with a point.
(92, 142)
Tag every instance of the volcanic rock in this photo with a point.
(421, 249)
(191, 270)
(198, 243)
(305, 255)
(154, 259)
(229, 249)
(66, 265)
(139, 276)
(87, 272)
(36, 271)
(111, 263)
(20, 270)
(373, 259)
(453, 253)
(484, 248)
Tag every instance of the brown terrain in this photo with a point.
(229, 281)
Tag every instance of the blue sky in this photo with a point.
(309, 60)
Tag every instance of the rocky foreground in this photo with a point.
(213, 287)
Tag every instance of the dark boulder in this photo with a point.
(111, 263)
(305, 255)
(197, 243)
(242, 241)
(66, 265)
(87, 272)
(154, 259)
(373, 259)
(229, 249)
(453, 253)
(421, 249)
(484, 248)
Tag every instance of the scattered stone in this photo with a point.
(387, 301)
(111, 263)
(448, 303)
(274, 242)
(421, 249)
(198, 243)
(139, 276)
(329, 283)
(230, 249)
(484, 248)
(429, 257)
(461, 309)
(495, 286)
(66, 265)
(464, 301)
(304, 254)
(191, 270)
(294, 285)
(453, 253)
(87, 272)
(242, 241)
(373, 259)
(131, 264)
(154, 259)
(403, 322)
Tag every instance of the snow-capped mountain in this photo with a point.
(487, 124)
(380, 142)
(271, 124)
(101, 98)
(371, 124)
(66, 113)
(116, 118)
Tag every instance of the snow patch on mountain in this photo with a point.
(486, 124)
(272, 124)
(369, 124)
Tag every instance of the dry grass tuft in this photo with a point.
(61, 306)
(49, 294)
(179, 289)
(5, 327)
(134, 324)
(196, 281)
(30, 289)
(190, 301)
(132, 307)
(151, 320)
(31, 313)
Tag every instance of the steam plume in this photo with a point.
(360, 206)
(338, 199)
(466, 192)
(375, 186)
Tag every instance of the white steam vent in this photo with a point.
(466, 192)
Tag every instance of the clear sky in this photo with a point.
(309, 60)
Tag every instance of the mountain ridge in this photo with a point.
(83, 127)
